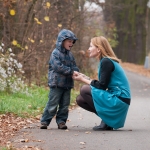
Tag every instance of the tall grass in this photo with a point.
(26, 105)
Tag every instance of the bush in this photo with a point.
(11, 73)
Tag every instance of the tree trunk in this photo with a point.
(130, 17)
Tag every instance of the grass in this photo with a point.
(26, 105)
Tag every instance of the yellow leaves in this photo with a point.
(87, 132)
(31, 40)
(26, 47)
(48, 5)
(60, 25)
(46, 18)
(14, 42)
(54, 41)
(12, 12)
(37, 21)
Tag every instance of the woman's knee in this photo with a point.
(84, 88)
(79, 100)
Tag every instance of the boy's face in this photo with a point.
(67, 44)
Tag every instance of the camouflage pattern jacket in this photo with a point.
(62, 63)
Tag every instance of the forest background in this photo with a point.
(29, 29)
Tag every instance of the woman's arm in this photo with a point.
(107, 67)
(105, 74)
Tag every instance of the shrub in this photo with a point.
(11, 73)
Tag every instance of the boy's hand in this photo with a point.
(81, 77)
(75, 73)
(77, 76)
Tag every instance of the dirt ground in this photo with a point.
(139, 69)
(10, 123)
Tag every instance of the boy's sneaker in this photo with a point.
(62, 126)
(43, 126)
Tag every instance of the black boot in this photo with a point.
(102, 127)
(43, 125)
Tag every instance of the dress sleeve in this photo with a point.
(107, 67)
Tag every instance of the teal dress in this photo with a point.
(108, 106)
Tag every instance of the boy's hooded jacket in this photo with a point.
(62, 63)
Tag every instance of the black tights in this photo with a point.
(85, 100)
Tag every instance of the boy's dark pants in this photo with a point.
(59, 100)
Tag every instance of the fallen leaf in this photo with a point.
(24, 140)
(76, 134)
(82, 143)
(39, 141)
(87, 132)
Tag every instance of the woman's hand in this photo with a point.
(81, 77)
(77, 76)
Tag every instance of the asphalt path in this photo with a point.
(135, 135)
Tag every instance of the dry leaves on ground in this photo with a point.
(139, 69)
(10, 124)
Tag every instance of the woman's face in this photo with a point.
(93, 50)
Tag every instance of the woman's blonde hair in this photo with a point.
(105, 49)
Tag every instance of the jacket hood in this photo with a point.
(64, 34)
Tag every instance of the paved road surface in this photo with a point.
(134, 136)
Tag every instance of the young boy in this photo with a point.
(61, 68)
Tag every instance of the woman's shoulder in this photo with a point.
(107, 63)
(106, 60)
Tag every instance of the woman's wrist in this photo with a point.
(88, 78)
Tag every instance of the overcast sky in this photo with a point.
(93, 6)
(148, 4)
